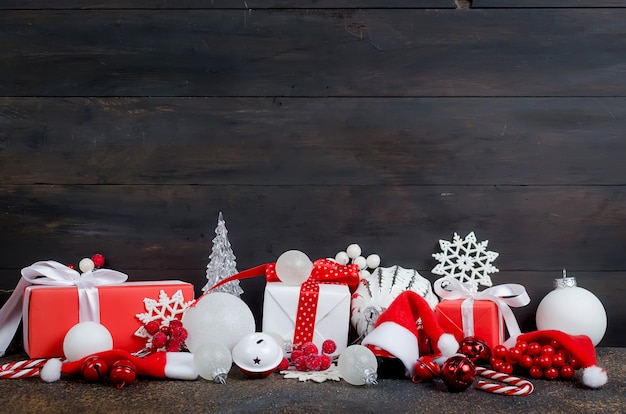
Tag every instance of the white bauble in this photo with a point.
(357, 365)
(86, 338)
(573, 310)
(293, 267)
(217, 317)
(212, 361)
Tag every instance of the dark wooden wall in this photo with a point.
(127, 125)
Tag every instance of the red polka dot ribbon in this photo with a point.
(324, 271)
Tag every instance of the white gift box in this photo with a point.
(332, 320)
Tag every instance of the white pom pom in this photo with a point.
(360, 262)
(86, 265)
(342, 258)
(373, 261)
(51, 371)
(447, 344)
(354, 251)
(594, 376)
(363, 274)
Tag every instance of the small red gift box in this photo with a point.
(50, 311)
(488, 322)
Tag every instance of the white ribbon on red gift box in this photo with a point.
(53, 273)
(504, 296)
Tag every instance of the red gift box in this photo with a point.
(488, 322)
(50, 311)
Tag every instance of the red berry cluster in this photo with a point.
(169, 337)
(548, 360)
(308, 357)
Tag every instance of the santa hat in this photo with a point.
(174, 365)
(579, 346)
(396, 330)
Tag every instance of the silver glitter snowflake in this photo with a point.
(466, 260)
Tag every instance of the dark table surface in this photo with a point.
(279, 395)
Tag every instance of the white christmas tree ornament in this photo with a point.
(222, 262)
(466, 260)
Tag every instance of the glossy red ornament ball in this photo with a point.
(551, 373)
(514, 354)
(522, 345)
(122, 373)
(476, 349)
(534, 349)
(525, 361)
(558, 361)
(458, 373)
(506, 368)
(94, 369)
(500, 352)
(544, 361)
(425, 369)
(547, 350)
(567, 372)
(535, 372)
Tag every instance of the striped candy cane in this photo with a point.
(22, 369)
(513, 385)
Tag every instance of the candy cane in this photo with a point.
(22, 369)
(515, 385)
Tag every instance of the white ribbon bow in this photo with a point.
(504, 296)
(53, 273)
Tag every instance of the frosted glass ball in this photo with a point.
(86, 338)
(573, 310)
(354, 251)
(361, 262)
(357, 365)
(86, 265)
(342, 258)
(293, 267)
(217, 317)
(373, 261)
(213, 361)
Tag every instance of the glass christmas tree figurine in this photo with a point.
(222, 262)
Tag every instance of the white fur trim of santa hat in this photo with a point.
(396, 330)
(51, 371)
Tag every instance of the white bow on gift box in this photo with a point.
(53, 273)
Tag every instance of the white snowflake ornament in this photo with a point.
(466, 260)
(332, 373)
(163, 310)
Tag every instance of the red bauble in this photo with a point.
(551, 373)
(122, 373)
(525, 361)
(94, 369)
(506, 368)
(425, 369)
(458, 373)
(98, 260)
(558, 361)
(544, 361)
(475, 349)
(535, 372)
(567, 372)
(575, 363)
(522, 345)
(514, 354)
(534, 349)
(547, 350)
(500, 351)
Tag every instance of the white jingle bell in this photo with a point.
(257, 355)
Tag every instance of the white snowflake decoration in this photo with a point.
(466, 260)
(332, 373)
(163, 310)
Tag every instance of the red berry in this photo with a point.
(71, 266)
(173, 345)
(558, 361)
(525, 361)
(522, 345)
(179, 333)
(497, 365)
(329, 346)
(535, 372)
(159, 340)
(313, 362)
(534, 349)
(295, 354)
(544, 361)
(567, 372)
(310, 348)
(165, 329)
(284, 365)
(506, 368)
(547, 350)
(555, 344)
(98, 260)
(175, 323)
(300, 363)
(326, 362)
(152, 327)
(499, 352)
(551, 373)
(564, 353)
(514, 354)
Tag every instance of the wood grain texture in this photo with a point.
(278, 141)
(291, 52)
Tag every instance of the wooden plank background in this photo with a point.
(126, 127)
